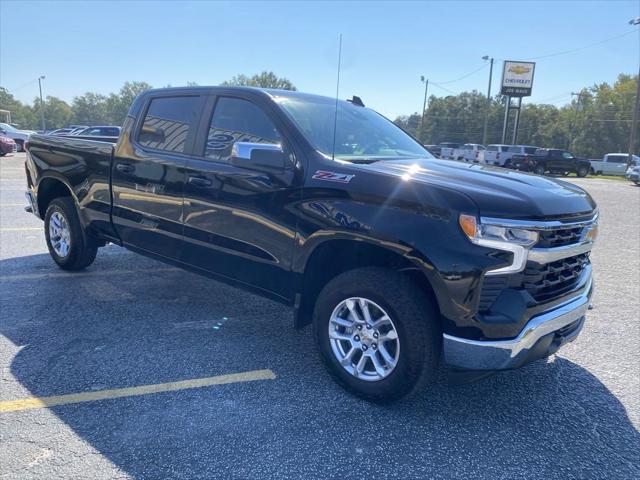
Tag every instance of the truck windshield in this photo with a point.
(361, 134)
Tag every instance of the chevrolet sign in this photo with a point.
(517, 78)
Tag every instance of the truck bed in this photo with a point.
(84, 166)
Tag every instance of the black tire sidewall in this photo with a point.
(80, 255)
(413, 348)
(582, 172)
(538, 170)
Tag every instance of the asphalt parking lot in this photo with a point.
(129, 322)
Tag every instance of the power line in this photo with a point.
(565, 52)
(484, 65)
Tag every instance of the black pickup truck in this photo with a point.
(553, 160)
(399, 260)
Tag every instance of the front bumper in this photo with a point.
(542, 336)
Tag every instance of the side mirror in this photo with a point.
(263, 157)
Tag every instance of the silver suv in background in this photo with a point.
(18, 136)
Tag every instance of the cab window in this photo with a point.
(168, 122)
(237, 120)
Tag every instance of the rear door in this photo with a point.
(149, 174)
(238, 222)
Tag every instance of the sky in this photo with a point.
(386, 46)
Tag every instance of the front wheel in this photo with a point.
(65, 240)
(582, 171)
(377, 333)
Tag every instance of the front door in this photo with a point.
(237, 224)
(148, 179)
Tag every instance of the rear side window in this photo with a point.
(530, 150)
(617, 158)
(168, 123)
(492, 148)
(514, 149)
(237, 120)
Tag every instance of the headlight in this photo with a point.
(510, 239)
(479, 232)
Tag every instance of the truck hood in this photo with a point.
(497, 192)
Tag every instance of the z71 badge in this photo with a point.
(332, 176)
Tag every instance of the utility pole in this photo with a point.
(424, 106)
(575, 119)
(44, 129)
(486, 112)
(507, 107)
(636, 108)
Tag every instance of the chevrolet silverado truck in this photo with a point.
(401, 262)
(553, 160)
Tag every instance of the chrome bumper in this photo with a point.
(505, 354)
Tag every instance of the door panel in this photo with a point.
(236, 220)
(148, 179)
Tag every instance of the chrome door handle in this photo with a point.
(198, 181)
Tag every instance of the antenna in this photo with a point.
(335, 117)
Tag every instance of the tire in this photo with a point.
(582, 172)
(539, 170)
(78, 254)
(412, 317)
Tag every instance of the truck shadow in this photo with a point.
(104, 329)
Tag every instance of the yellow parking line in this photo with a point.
(46, 402)
(100, 273)
(21, 229)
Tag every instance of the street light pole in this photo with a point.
(424, 106)
(44, 129)
(636, 108)
(486, 112)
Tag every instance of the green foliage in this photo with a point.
(597, 123)
(263, 80)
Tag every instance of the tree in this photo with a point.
(263, 80)
(117, 104)
(90, 109)
(57, 112)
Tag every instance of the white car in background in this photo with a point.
(496, 154)
(469, 152)
(18, 136)
(613, 164)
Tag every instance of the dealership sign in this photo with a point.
(517, 78)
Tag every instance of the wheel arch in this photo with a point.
(335, 256)
(50, 188)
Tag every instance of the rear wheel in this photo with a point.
(582, 171)
(377, 333)
(539, 170)
(65, 240)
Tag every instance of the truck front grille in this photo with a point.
(560, 237)
(544, 282)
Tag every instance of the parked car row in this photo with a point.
(87, 131)
(18, 136)
(530, 158)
